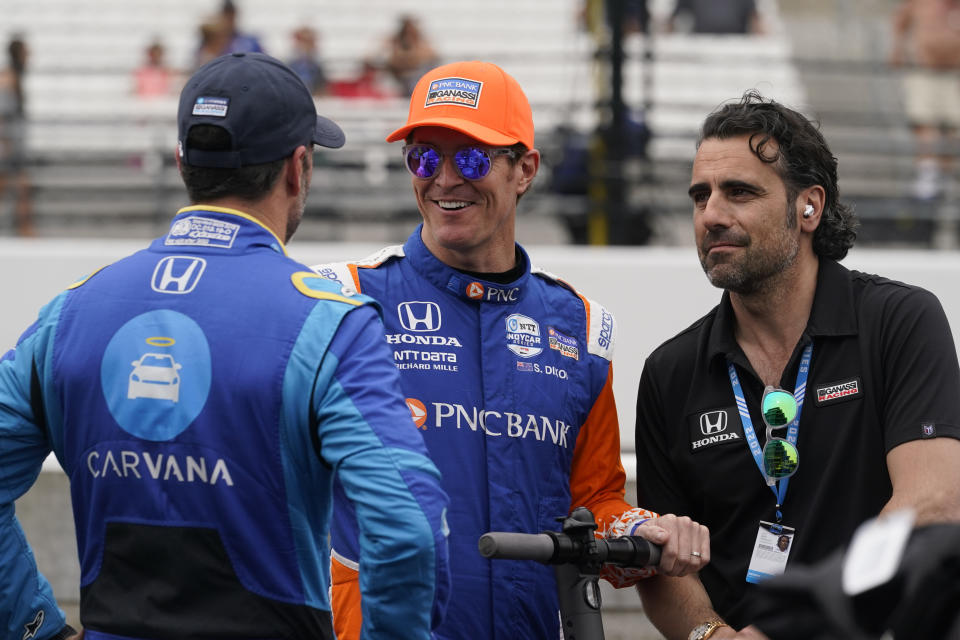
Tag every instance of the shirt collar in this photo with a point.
(831, 315)
(210, 227)
(458, 283)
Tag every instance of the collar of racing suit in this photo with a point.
(465, 285)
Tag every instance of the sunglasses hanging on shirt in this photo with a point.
(780, 457)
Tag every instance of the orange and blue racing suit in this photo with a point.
(510, 385)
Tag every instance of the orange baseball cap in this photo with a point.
(478, 99)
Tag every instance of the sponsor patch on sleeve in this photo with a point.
(32, 627)
(339, 272)
(833, 392)
(457, 91)
(599, 330)
(316, 286)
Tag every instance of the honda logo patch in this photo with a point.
(715, 427)
(713, 422)
(419, 316)
(177, 274)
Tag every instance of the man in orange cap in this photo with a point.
(506, 369)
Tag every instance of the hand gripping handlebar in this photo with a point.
(578, 556)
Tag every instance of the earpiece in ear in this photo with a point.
(808, 211)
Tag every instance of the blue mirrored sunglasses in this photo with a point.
(472, 163)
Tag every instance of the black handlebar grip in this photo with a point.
(517, 546)
(654, 559)
(632, 551)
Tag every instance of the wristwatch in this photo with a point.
(705, 629)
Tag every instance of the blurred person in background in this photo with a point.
(595, 14)
(305, 60)
(201, 395)
(153, 78)
(811, 399)
(220, 34)
(368, 83)
(238, 41)
(596, 17)
(926, 43)
(408, 54)
(213, 38)
(14, 178)
(716, 17)
(507, 370)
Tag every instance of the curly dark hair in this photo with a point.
(801, 158)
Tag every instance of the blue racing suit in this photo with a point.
(510, 385)
(201, 395)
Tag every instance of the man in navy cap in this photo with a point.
(202, 393)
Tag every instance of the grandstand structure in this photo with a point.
(101, 159)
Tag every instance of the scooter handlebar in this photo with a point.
(559, 548)
(518, 546)
(632, 551)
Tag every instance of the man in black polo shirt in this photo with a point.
(871, 363)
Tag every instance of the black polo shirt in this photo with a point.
(884, 371)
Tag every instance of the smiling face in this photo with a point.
(745, 227)
(469, 224)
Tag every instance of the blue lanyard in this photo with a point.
(780, 492)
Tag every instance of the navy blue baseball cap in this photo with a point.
(262, 104)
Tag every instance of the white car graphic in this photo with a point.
(155, 375)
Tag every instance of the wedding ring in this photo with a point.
(695, 554)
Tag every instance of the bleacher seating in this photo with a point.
(102, 158)
(90, 135)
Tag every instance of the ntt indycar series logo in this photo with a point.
(838, 391)
(523, 336)
(458, 91)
